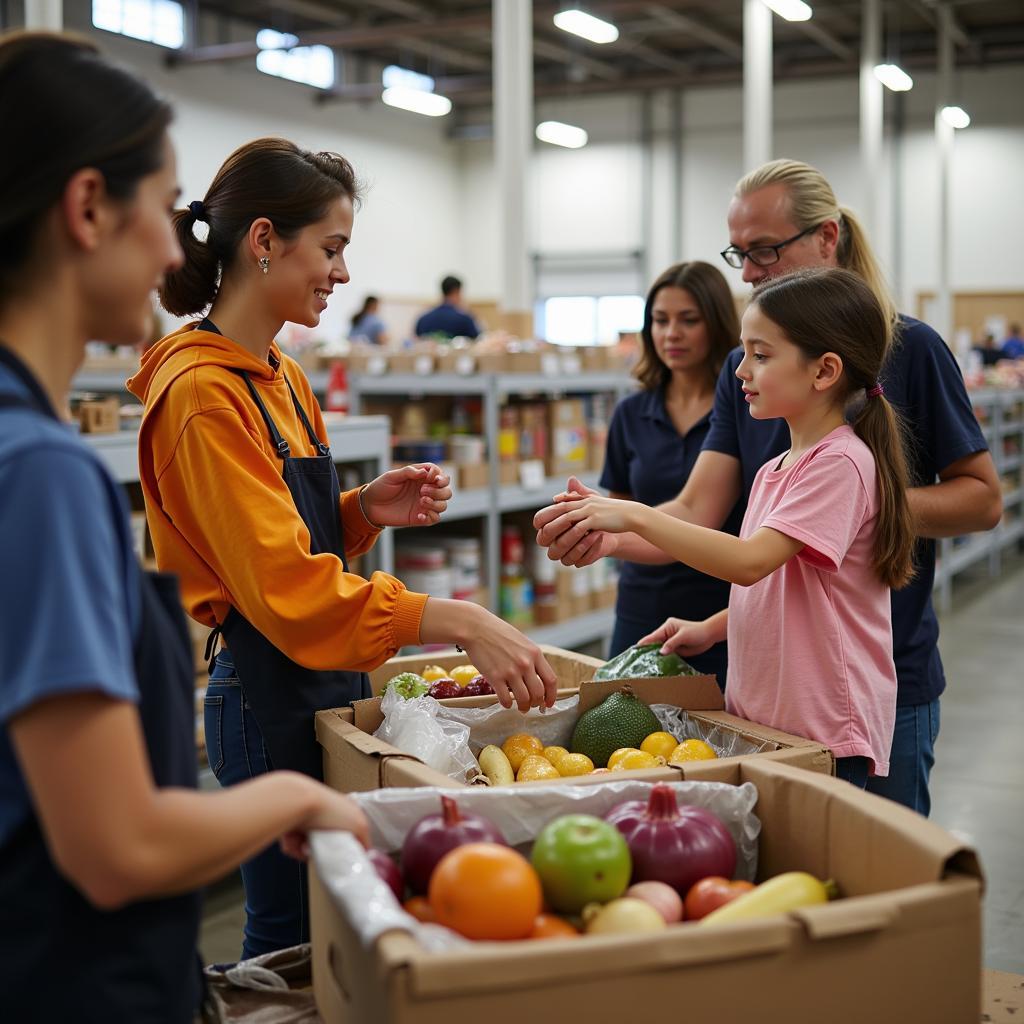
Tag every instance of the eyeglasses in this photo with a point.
(761, 255)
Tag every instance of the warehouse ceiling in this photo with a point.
(661, 45)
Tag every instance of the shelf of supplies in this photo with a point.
(1008, 463)
(99, 381)
(583, 629)
(513, 498)
(977, 548)
(353, 439)
(1014, 427)
(578, 383)
(1013, 497)
(1010, 533)
(478, 384)
(468, 504)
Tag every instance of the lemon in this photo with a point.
(634, 759)
(574, 764)
(662, 743)
(463, 674)
(434, 672)
(554, 754)
(617, 755)
(536, 767)
(520, 746)
(692, 750)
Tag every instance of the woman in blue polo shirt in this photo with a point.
(690, 326)
(103, 840)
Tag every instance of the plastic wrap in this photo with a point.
(417, 727)
(370, 906)
(723, 741)
(553, 726)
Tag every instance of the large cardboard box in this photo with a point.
(355, 760)
(903, 945)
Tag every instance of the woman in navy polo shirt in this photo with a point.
(103, 840)
(690, 326)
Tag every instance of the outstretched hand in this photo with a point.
(570, 544)
(411, 496)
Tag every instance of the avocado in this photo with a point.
(620, 720)
(643, 663)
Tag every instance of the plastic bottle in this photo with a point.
(337, 388)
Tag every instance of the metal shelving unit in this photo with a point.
(492, 502)
(1004, 422)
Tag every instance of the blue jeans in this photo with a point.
(275, 884)
(912, 758)
(853, 770)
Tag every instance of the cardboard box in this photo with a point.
(457, 360)
(418, 360)
(356, 760)
(902, 947)
(99, 415)
(367, 360)
(508, 472)
(474, 477)
(567, 437)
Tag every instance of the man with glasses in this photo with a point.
(784, 217)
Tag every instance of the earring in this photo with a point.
(265, 264)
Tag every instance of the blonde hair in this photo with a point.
(812, 202)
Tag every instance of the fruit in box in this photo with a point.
(620, 720)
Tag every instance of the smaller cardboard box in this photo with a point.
(419, 360)
(100, 415)
(456, 360)
(902, 945)
(475, 476)
(356, 760)
(568, 448)
(370, 361)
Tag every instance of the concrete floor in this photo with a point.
(977, 785)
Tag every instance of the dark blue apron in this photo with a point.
(65, 959)
(284, 696)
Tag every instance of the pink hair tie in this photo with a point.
(876, 391)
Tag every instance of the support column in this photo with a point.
(513, 143)
(871, 117)
(44, 14)
(757, 84)
(943, 320)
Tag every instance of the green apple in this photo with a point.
(581, 859)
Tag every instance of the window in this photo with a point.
(310, 65)
(154, 21)
(586, 320)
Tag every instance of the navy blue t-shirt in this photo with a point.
(69, 585)
(647, 458)
(924, 383)
(449, 320)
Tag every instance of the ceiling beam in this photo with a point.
(565, 55)
(698, 29)
(928, 12)
(832, 43)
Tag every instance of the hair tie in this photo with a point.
(877, 391)
(197, 209)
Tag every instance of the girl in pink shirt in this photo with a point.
(827, 530)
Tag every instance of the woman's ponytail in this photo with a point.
(192, 287)
(877, 424)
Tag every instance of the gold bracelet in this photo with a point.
(362, 508)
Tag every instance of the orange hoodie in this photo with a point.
(222, 518)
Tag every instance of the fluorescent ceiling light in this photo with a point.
(791, 10)
(892, 76)
(416, 100)
(268, 39)
(579, 23)
(956, 117)
(394, 75)
(559, 134)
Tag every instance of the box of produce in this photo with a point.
(773, 895)
(421, 736)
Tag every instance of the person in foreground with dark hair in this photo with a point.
(690, 327)
(827, 531)
(450, 319)
(103, 838)
(244, 503)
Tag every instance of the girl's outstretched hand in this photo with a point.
(411, 496)
(680, 636)
(612, 515)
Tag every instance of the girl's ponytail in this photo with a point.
(191, 288)
(877, 424)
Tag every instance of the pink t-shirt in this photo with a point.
(810, 646)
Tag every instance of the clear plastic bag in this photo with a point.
(725, 742)
(417, 727)
(552, 726)
(369, 904)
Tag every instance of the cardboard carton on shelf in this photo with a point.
(568, 448)
(508, 472)
(368, 360)
(419, 360)
(99, 415)
(902, 945)
(461, 360)
(356, 760)
(474, 476)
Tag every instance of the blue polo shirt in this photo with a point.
(924, 383)
(69, 585)
(647, 458)
(448, 320)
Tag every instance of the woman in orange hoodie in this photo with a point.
(244, 503)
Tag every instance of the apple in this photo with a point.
(477, 687)
(581, 859)
(388, 871)
(441, 689)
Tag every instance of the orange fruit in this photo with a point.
(617, 755)
(575, 764)
(634, 759)
(421, 909)
(536, 767)
(486, 891)
(659, 743)
(520, 746)
(692, 750)
(550, 926)
(554, 754)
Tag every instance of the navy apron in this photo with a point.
(283, 696)
(69, 960)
